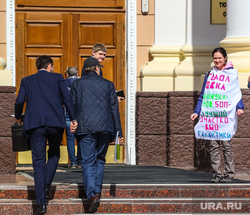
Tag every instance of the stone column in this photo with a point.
(201, 38)
(158, 74)
(237, 41)
(184, 40)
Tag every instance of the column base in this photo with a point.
(188, 83)
(157, 84)
(196, 63)
(6, 78)
(158, 75)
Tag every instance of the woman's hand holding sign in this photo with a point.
(239, 112)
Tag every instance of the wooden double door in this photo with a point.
(67, 36)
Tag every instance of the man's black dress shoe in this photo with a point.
(42, 209)
(93, 204)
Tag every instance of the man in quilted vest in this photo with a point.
(97, 112)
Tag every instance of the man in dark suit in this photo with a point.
(97, 113)
(45, 93)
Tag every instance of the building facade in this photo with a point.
(153, 45)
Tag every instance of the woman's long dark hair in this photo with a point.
(222, 51)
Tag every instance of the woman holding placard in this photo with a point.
(219, 104)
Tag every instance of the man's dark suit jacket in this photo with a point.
(45, 93)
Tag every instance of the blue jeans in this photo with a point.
(70, 137)
(94, 148)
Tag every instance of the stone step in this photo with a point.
(132, 199)
(131, 206)
(62, 191)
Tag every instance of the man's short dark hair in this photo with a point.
(43, 62)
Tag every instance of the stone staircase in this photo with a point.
(132, 199)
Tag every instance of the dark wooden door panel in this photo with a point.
(68, 38)
(74, 3)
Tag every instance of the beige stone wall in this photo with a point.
(3, 53)
(145, 36)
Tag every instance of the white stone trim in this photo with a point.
(131, 56)
(10, 37)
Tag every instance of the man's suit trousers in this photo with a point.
(44, 173)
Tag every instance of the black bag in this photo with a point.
(19, 141)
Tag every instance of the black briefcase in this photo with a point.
(19, 142)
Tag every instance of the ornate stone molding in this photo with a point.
(238, 50)
(10, 35)
(158, 74)
(130, 155)
(197, 61)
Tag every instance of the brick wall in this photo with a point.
(165, 132)
(7, 156)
